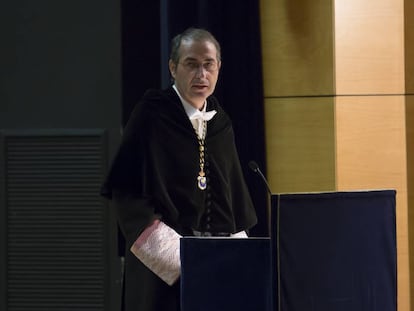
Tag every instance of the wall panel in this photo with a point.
(369, 49)
(300, 144)
(297, 47)
(409, 46)
(410, 181)
(370, 135)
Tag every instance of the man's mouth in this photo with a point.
(199, 86)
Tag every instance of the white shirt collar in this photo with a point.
(196, 116)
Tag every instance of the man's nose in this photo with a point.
(200, 71)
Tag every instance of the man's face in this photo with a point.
(197, 71)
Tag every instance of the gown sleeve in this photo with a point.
(126, 181)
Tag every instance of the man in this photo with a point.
(177, 173)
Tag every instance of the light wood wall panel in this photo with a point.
(409, 47)
(369, 46)
(410, 182)
(371, 154)
(297, 47)
(370, 135)
(347, 66)
(300, 139)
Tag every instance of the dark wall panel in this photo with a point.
(60, 79)
(62, 64)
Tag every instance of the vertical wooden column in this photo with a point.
(409, 115)
(339, 103)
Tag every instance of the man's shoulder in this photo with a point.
(152, 94)
(147, 107)
(155, 95)
(155, 99)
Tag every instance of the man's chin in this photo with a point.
(201, 94)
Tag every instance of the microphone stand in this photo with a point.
(255, 168)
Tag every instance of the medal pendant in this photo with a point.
(202, 182)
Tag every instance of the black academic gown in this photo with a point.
(154, 175)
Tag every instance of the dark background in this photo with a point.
(70, 74)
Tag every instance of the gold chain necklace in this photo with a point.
(201, 178)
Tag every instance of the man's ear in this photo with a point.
(173, 68)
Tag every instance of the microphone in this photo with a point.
(255, 168)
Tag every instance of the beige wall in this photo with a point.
(337, 79)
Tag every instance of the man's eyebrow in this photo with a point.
(192, 59)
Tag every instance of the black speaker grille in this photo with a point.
(56, 222)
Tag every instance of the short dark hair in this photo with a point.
(195, 34)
